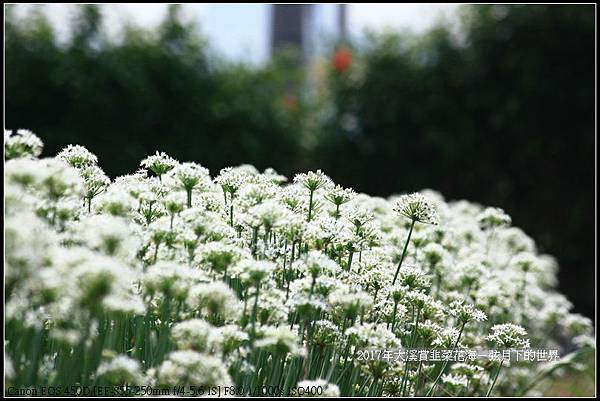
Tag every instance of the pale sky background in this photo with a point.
(242, 31)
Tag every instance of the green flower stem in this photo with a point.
(149, 214)
(164, 330)
(189, 197)
(254, 311)
(412, 224)
(283, 278)
(413, 339)
(254, 240)
(372, 387)
(495, 378)
(36, 353)
(155, 252)
(362, 387)
(273, 379)
(310, 206)
(418, 383)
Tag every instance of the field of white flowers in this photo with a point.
(170, 277)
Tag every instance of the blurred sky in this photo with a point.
(242, 30)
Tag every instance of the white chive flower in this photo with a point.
(278, 340)
(417, 208)
(313, 180)
(214, 299)
(191, 368)
(509, 335)
(493, 217)
(465, 312)
(253, 272)
(159, 163)
(120, 369)
(77, 156)
(197, 335)
(23, 143)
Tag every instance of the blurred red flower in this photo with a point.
(342, 59)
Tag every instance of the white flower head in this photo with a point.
(170, 279)
(254, 272)
(23, 143)
(578, 324)
(219, 256)
(509, 335)
(350, 304)
(197, 335)
(466, 312)
(232, 337)
(493, 217)
(269, 214)
(214, 299)
(317, 263)
(313, 180)
(279, 340)
(192, 368)
(274, 176)
(417, 208)
(159, 163)
(231, 180)
(339, 195)
(77, 156)
(417, 298)
(116, 200)
(94, 179)
(190, 176)
(455, 380)
(9, 369)
(374, 335)
(109, 234)
(174, 202)
(413, 278)
(526, 262)
(52, 177)
(120, 369)
(325, 332)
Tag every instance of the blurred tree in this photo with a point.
(86, 28)
(503, 116)
(149, 90)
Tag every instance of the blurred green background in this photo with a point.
(502, 115)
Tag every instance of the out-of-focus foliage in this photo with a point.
(503, 115)
(151, 89)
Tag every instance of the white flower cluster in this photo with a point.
(177, 278)
(417, 208)
(509, 335)
(21, 144)
(492, 217)
(159, 163)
